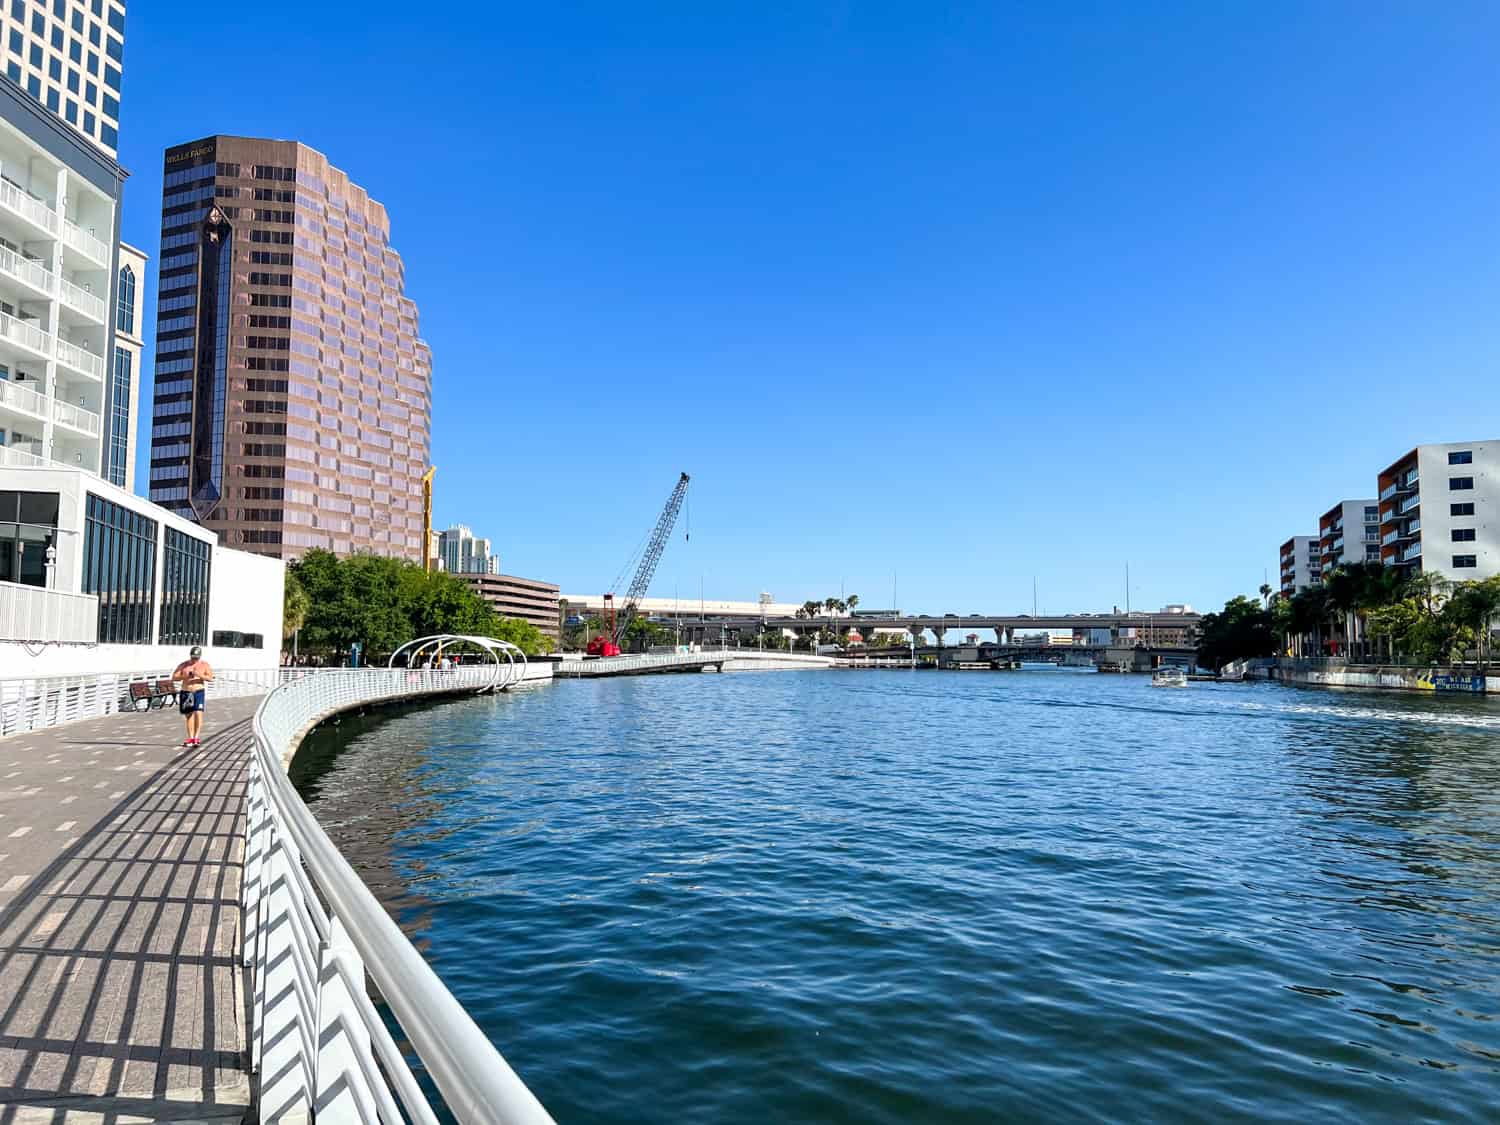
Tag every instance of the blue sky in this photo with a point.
(962, 293)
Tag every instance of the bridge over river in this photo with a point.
(1147, 627)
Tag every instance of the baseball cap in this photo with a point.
(195, 651)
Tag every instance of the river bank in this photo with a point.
(1438, 679)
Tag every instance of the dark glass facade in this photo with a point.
(119, 418)
(184, 590)
(119, 565)
(28, 526)
(211, 378)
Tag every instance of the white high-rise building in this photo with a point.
(461, 553)
(59, 236)
(68, 55)
(1349, 532)
(1440, 510)
(1301, 564)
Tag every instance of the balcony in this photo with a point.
(86, 243)
(79, 298)
(18, 396)
(1413, 529)
(19, 456)
(1410, 504)
(29, 273)
(1338, 546)
(85, 421)
(80, 359)
(1388, 491)
(1372, 536)
(1412, 552)
(28, 207)
(25, 335)
(1390, 537)
(32, 613)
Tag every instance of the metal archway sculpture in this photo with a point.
(506, 674)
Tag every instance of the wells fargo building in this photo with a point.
(293, 394)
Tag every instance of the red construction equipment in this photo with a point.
(608, 643)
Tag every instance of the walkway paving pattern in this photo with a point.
(121, 996)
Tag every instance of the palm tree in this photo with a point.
(811, 609)
(1342, 588)
(1265, 593)
(851, 601)
(1476, 605)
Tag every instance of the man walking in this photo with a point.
(194, 674)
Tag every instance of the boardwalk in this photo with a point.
(120, 995)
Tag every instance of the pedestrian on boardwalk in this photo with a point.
(194, 674)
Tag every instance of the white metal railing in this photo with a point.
(75, 416)
(316, 1038)
(33, 613)
(17, 456)
(28, 206)
(81, 240)
(32, 273)
(27, 335)
(21, 397)
(80, 358)
(641, 662)
(37, 702)
(81, 299)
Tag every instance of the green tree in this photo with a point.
(1241, 631)
(295, 605)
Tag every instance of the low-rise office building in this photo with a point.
(525, 598)
(1440, 510)
(1301, 564)
(94, 579)
(1349, 532)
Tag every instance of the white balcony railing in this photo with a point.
(1413, 501)
(19, 457)
(82, 300)
(18, 396)
(27, 335)
(31, 613)
(80, 359)
(86, 243)
(77, 417)
(28, 207)
(24, 269)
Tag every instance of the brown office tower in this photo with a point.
(293, 396)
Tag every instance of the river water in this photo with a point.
(941, 897)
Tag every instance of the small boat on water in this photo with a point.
(1169, 677)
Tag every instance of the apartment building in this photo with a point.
(293, 393)
(59, 215)
(1349, 532)
(462, 553)
(67, 55)
(1301, 564)
(525, 598)
(1440, 510)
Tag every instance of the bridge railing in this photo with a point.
(319, 1045)
(638, 662)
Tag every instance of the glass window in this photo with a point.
(54, 69)
(75, 51)
(119, 547)
(13, 72)
(114, 48)
(111, 106)
(111, 77)
(53, 98)
(1466, 509)
(1460, 484)
(57, 39)
(35, 54)
(125, 308)
(109, 135)
(1461, 457)
(119, 418)
(16, 42)
(76, 22)
(34, 86)
(1462, 561)
(88, 122)
(1463, 535)
(117, 20)
(70, 112)
(184, 590)
(18, 10)
(72, 81)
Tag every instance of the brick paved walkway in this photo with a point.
(121, 997)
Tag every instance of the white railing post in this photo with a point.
(343, 1095)
(285, 994)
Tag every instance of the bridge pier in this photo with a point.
(937, 632)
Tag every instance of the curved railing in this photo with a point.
(319, 1046)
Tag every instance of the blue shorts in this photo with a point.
(197, 698)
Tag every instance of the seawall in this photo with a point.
(1384, 677)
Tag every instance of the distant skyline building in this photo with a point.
(293, 392)
(528, 599)
(68, 55)
(462, 552)
(1301, 564)
(1440, 510)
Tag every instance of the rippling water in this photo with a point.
(918, 896)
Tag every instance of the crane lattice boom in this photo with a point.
(647, 570)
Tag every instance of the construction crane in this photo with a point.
(616, 626)
(428, 562)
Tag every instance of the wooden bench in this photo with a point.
(146, 696)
